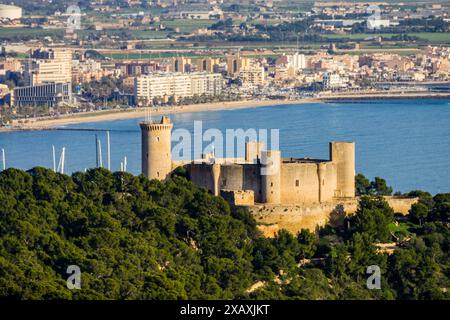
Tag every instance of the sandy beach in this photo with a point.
(133, 113)
(110, 115)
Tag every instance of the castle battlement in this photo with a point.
(155, 127)
(157, 149)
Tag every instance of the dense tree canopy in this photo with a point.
(138, 239)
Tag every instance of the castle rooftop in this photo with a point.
(164, 120)
(303, 160)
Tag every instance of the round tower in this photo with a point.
(156, 149)
(343, 155)
(271, 177)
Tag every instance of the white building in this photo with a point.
(43, 95)
(10, 12)
(332, 81)
(89, 65)
(47, 66)
(177, 85)
(296, 61)
(378, 23)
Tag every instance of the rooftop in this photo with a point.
(303, 160)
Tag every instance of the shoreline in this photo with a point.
(112, 115)
(384, 96)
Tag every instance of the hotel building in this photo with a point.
(48, 65)
(177, 85)
(253, 75)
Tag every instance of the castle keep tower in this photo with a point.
(343, 155)
(156, 149)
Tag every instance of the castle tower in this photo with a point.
(271, 176)
(343, 155)
(253, 151)
(156, 149)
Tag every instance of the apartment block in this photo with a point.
(253, 75)
(177, 85)
(48, 65)
(235, 63)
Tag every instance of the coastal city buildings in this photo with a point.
(181, 52)
(47, 75)
(88, 70)
(290, 75)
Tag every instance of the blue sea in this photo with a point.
(407, 142)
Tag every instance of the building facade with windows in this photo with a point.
(48, 65)
(48, 95)
(177, 85)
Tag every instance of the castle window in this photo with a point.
(157, 173)
(271, 184)
(297, 183)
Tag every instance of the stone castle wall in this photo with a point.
(307, 182)
(272, 218)
(296, 181)
(231, 177)
(238, 198)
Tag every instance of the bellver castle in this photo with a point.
(292, 193)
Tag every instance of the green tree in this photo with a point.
(424, 197)
(418, 213)
(362, 184)
(311, 284)
(373, 217)
(307, 244)
(441, 209)
(414, 272)
(380, 188)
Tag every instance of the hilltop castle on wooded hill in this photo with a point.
(261, 177)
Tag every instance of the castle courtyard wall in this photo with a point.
(300, 182)
(232, 177)
(201, 175)
(293, 218)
